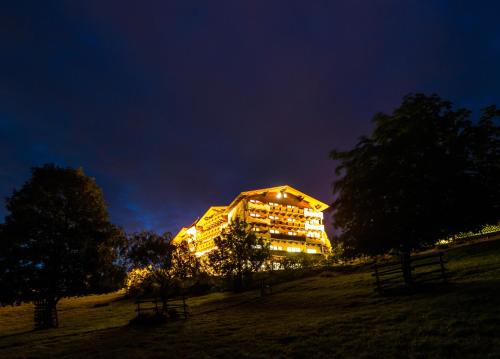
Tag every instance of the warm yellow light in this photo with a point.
(267, 214)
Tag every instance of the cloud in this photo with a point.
(174, 106)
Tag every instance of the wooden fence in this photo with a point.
(45, 314)
(175, 308)
(423, 268)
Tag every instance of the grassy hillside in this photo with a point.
(331, 314)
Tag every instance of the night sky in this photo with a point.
(176, 106)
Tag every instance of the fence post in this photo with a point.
(377, 281)
(443, 271)
(184, 306)
(45, 314)
(407, 268)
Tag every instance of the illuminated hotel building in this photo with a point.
(288, 219)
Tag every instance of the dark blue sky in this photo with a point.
(175, 106)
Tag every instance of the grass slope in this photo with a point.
(329, 315)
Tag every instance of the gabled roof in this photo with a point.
(317, 204)
(209, 213)
(178, 237)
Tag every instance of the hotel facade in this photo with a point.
(289, 220)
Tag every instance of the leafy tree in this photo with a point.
(185, 264)
(148, 256)
(149, 249)
(426, 172)
(169, 265)
(57, 241)
(239, 253)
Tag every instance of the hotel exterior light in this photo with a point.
(281, 225)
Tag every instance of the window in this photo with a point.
(274, 231)
(293, 249)
(276, 248)
(254, 215)
(310, 250)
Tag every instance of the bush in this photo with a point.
(300, 261)
(139, 282)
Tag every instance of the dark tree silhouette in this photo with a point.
(149, 249)
(239, 253)
(169, 265)
(57, 241)
(426, 172)
(185, 264)
(152, 251)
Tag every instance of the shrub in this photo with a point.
(138, 282)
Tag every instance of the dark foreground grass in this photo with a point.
(329, 315)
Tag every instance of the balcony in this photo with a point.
(258, 206)
(288, 237)
(311, 213)
(315, 227)
(261, 220)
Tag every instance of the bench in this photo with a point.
(146, 305)
(177, 309)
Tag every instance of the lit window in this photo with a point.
(254, 215)
(278, 195)
(293, 249)
(276, 248)
(274, 231)
(310, 250)
(284, 195)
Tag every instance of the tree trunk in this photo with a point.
(238, 282)
(406, 267)
(163, 298)
(46, 313)
(164, 292)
